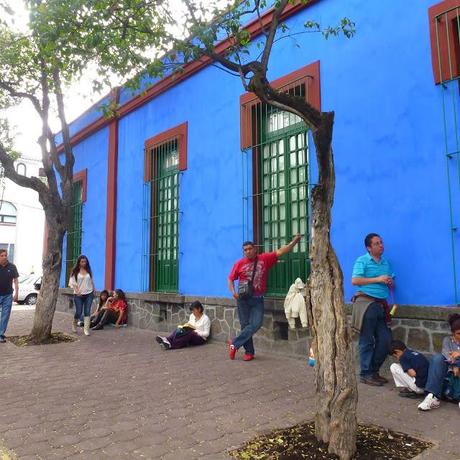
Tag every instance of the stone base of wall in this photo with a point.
(421, 328)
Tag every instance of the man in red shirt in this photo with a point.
(251, 309)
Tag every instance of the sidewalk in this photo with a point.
(117, 395)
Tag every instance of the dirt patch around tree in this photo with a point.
(299, 442)
(26, 340)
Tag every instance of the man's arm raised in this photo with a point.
(288, 247)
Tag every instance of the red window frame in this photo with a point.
(444, 38)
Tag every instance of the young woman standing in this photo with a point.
(81, 281)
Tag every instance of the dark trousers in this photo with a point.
(374, 340)
(437, 373)
(184, 340)
(104, 317)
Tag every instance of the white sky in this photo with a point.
(26, 123)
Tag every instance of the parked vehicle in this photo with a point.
(29, 285)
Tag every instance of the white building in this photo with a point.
(22, 220)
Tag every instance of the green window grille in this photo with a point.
(74, 235)
(279, 199)
(163, 223)
(447, 42)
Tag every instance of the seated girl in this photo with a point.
(195, 332)
(113, 312)
(103, 296)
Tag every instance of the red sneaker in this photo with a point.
(231, 349)
(248, 357)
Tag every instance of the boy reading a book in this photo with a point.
(194, 332)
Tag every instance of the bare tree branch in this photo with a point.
(69, 159)
(10, 172)
(271, 34)
(46, 157)
(22, 95)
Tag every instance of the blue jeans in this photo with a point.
(437, 372)
(251, 314)
(83, 304)
(374, 340)
(5, 303)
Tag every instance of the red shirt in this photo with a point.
(242, 270)
(119, 306)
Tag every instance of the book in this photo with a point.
(186, 326)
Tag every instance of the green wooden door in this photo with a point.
(166, 232)
(284, 187)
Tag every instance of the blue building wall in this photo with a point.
(91, 154)
(388, 147)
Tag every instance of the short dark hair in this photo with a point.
(454, 322)
(3, 250)
(368, 239)
(397, 345)
(248, 243)
(196, 306)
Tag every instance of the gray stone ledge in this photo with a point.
(422, 312)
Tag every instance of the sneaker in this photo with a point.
(370, 380)
(248, 357)
(379, 378)
(231, 349)
(430, 402)
(80, 324)
(159, 339)
(2, 339)
(166, 343)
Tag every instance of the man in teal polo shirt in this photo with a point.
(373, 276)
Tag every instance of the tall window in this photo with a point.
(74, 235)
(164, 217)
(7, 213)
(165, 157)
(275, 175)
(282, 194)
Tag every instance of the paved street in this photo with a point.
(117, 395)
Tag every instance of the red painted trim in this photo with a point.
(179, 132)
(82, 176)
(111, 212)
(308, 75)
(443, 15)
(255, 28)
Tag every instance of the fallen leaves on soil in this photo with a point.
(299, 442)
(26, 340)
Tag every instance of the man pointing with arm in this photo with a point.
(252, 269)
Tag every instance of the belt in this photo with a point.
(360, 295)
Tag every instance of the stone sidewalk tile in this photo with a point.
(117, 395)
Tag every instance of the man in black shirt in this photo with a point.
(8, 276)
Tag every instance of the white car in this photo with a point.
(28, 291)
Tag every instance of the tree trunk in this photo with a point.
(47, 297)
(336, 392)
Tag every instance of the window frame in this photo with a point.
(445, 42)
(78, 178)
(177, 135)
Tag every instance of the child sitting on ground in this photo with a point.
(411, 373)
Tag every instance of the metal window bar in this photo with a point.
(160, 262)
(276, 190)
(75, 235)
(447, 30)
